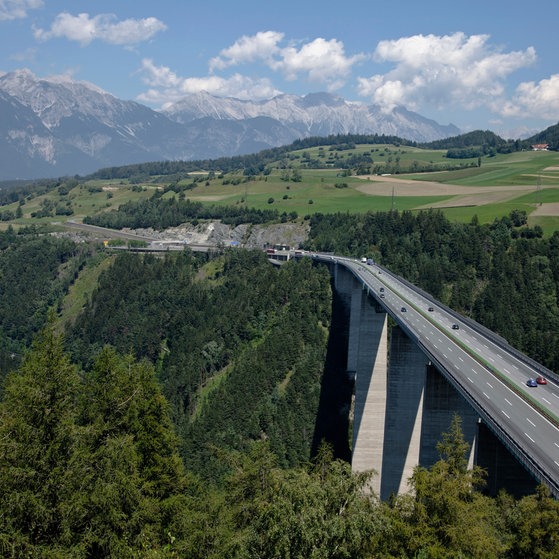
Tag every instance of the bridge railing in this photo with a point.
(495, 338)
(531, 465)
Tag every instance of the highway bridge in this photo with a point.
(490, 376)
(435, 364)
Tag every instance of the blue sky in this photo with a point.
(489, 64)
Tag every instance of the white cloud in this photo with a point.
(442, 71)
(165, 87)
(104, 27)
(539, 100)
(261, 46)
(17, 9)
(319, 60)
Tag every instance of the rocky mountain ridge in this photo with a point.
(56, 127)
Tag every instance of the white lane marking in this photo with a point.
(530, 437)
(553, 394)
(531, 422)
(505, 414)
(445, 355)
(546, 401)
(507, 371)
(488, 384)
(556, 462)
(508, 402)
(470, 380)
(515, 367)
(557, 445)
(461, 359)
(486, 396)
(474, 371)
(491, 359)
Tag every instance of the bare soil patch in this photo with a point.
(546, 209)
(461, 195)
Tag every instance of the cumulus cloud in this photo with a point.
(322, 61)
(17, 9)
(540, 100)
(262, 46)
(439, 71)
(166, 87)
(104, 27)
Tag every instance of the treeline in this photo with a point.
(89, 467)
(257, 162)
(240, 355)
(35, 273)
(160, 213)
(504, 275)
(487, 142)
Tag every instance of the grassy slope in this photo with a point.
(317, 192)
(80, 292)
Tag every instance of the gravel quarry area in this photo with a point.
(212, 233)
(219, 234)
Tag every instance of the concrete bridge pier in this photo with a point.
(403, 404)
(367, 356)
(407, 374)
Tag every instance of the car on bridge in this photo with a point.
(403, 309)
(430, 309)
(531, 382)
(455, 327)
(541, 380)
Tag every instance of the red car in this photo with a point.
(541, 380)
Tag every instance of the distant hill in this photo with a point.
(58, 127)
(470, 139)
(548, 136)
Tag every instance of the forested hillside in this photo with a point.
(89, 467)
(239, 346)
(35, 272)
(504, 275)
(178, 415)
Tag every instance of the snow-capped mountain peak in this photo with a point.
(60, 126)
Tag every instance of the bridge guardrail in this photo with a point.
(516, 450)
(495, 338)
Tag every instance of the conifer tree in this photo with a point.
(138, 480)
(39, 443)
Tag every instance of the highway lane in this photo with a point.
(493, 379)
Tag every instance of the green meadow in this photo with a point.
(291, 186)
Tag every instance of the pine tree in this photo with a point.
(39, 443)
(136, 490)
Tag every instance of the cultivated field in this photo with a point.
(525, 180)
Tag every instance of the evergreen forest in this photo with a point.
(179, 413)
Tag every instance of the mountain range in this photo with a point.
(57, 127)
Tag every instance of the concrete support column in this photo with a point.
(442, 403)
(370, 389)
(357, 299)
(404, 413)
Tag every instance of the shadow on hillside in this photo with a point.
(332, 420)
